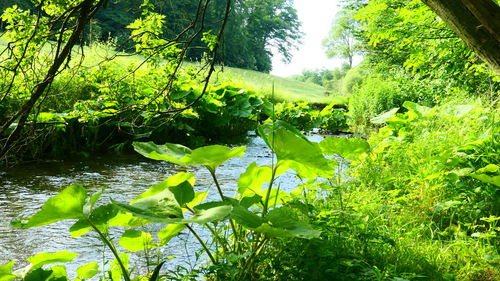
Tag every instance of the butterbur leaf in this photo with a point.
(90, 202)
(42, 259)
(161, 207)
(247, 202)
(99, 217)
(276, 196)
(172, 181)
(209, 212)
(169, 232)
(384, 117)
(495, 180)
(292, 148)
(6, 271)
(174, 153)
(270, 231)
(68, 204)
(214, 155)
(87, 271)
(55, 273)
(347, 148)
(184, 193)
(266, 131)
(134, 240)
(209, 156)
(284, 219)
(246, 218)
(127, 220)
(418, 109)
(253, 178)
(198, 198)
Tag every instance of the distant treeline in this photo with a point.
(253, 28)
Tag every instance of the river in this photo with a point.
(24, 189)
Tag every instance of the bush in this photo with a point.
(385, 89)
(352, 79)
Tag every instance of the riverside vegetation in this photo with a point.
(415, 197)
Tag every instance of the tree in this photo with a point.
(41, 46)
(476, 22)
(341, 40)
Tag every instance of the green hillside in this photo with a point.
(285, 89)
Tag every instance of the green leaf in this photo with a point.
(68, 204)
(134, 240)
(492, 258)
(127, 220)
(156, 272)
(276, 196)
(214, 155)
(87, 271)
(384, 117)
(246, 218)
(247, 202)
(209, 156)
(270, 231)
(184, 193)
(198, 198)
(253, 178)
(495, 180)
(42, 259)
(90, 202)
(174, 153)
(285, 219)
(490, 168)
(209, 212)
(6, 271)
(296, 152)
(55, 273)
(419, 109)
(161, 207)
(169, 232)
(266, 131)
(347, 148)
(171, 181)
(99, 217)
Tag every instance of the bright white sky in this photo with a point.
(316, 17)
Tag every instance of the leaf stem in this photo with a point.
(108, 243)
(202, 244)
(233, 227)
(217, 185)
(252, 257)
(266, 203)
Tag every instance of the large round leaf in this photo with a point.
(68, 204)
(347, 148)
(293, 148)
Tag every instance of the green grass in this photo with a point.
(284, 88)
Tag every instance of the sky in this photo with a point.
(316, 17)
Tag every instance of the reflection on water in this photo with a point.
(24, 189)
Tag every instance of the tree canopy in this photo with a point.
(341, 41)
(253, 29)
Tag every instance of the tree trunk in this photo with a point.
(476, 22)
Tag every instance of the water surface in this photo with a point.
(24, 189)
